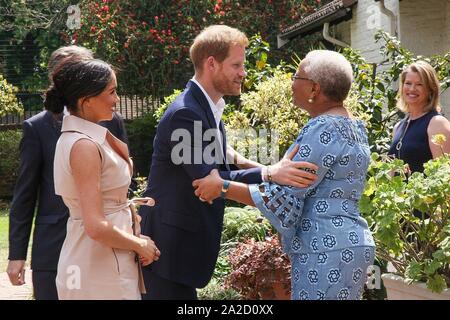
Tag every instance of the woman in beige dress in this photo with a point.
(102, 252)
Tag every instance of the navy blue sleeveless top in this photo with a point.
(415, 149)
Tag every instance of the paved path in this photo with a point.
(10, 292)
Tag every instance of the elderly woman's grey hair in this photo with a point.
(331, 70)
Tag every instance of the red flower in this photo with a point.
(93, 29)
(105, 8)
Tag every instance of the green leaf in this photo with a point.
(436, 283)
(432, 267)
(413, 271)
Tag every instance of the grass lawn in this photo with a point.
(3, 240)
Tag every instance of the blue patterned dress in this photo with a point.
(328, 242)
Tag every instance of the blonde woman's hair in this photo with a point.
(215, 41)
(429, 78)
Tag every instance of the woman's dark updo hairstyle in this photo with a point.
(77, 79)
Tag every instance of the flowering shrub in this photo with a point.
(9, 161)
(149, 40)
(268, 107)
(8, 100)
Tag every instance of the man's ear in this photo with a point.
(210, 63)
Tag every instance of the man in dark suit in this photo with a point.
(35, 184)
(186, 230)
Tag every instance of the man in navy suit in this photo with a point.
(186, 229)
(35, 184)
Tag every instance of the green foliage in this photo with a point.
(33, 29)
(240, 224)
(141, 183)
(215, 291)
(9, 160)
(269, 107)
(4, 239)
(244, 223)
(141, 132)
(257, 63)
(8, 100)
(167, 101)
(419, 249)
(23, 17)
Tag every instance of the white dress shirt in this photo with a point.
(216, 109)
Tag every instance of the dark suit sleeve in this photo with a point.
(121, 131)
(185, 128)
(25, 193)
(249, 176)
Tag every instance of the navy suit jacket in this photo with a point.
(186, 230)
(35, 184)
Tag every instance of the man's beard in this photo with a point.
(226, 86)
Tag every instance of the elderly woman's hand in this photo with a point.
(293, 173)
(209, 187)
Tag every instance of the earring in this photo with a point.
(310, 100)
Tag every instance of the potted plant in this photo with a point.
(416, 248)
(260, 270)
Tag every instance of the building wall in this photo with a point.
(367, 20)
(445, 97)
(343, 31)
(425, 30)
(423, 26)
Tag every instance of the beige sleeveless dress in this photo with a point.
(88, 269)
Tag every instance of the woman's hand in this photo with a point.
(292, 173)
(146, 201)
(209, 187)
(148, 252)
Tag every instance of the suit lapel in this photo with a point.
(224, 144)
(203, 103)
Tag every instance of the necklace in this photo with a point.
(399, 144)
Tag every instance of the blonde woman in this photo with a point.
(418, 97)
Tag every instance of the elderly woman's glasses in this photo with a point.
(299, 78)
